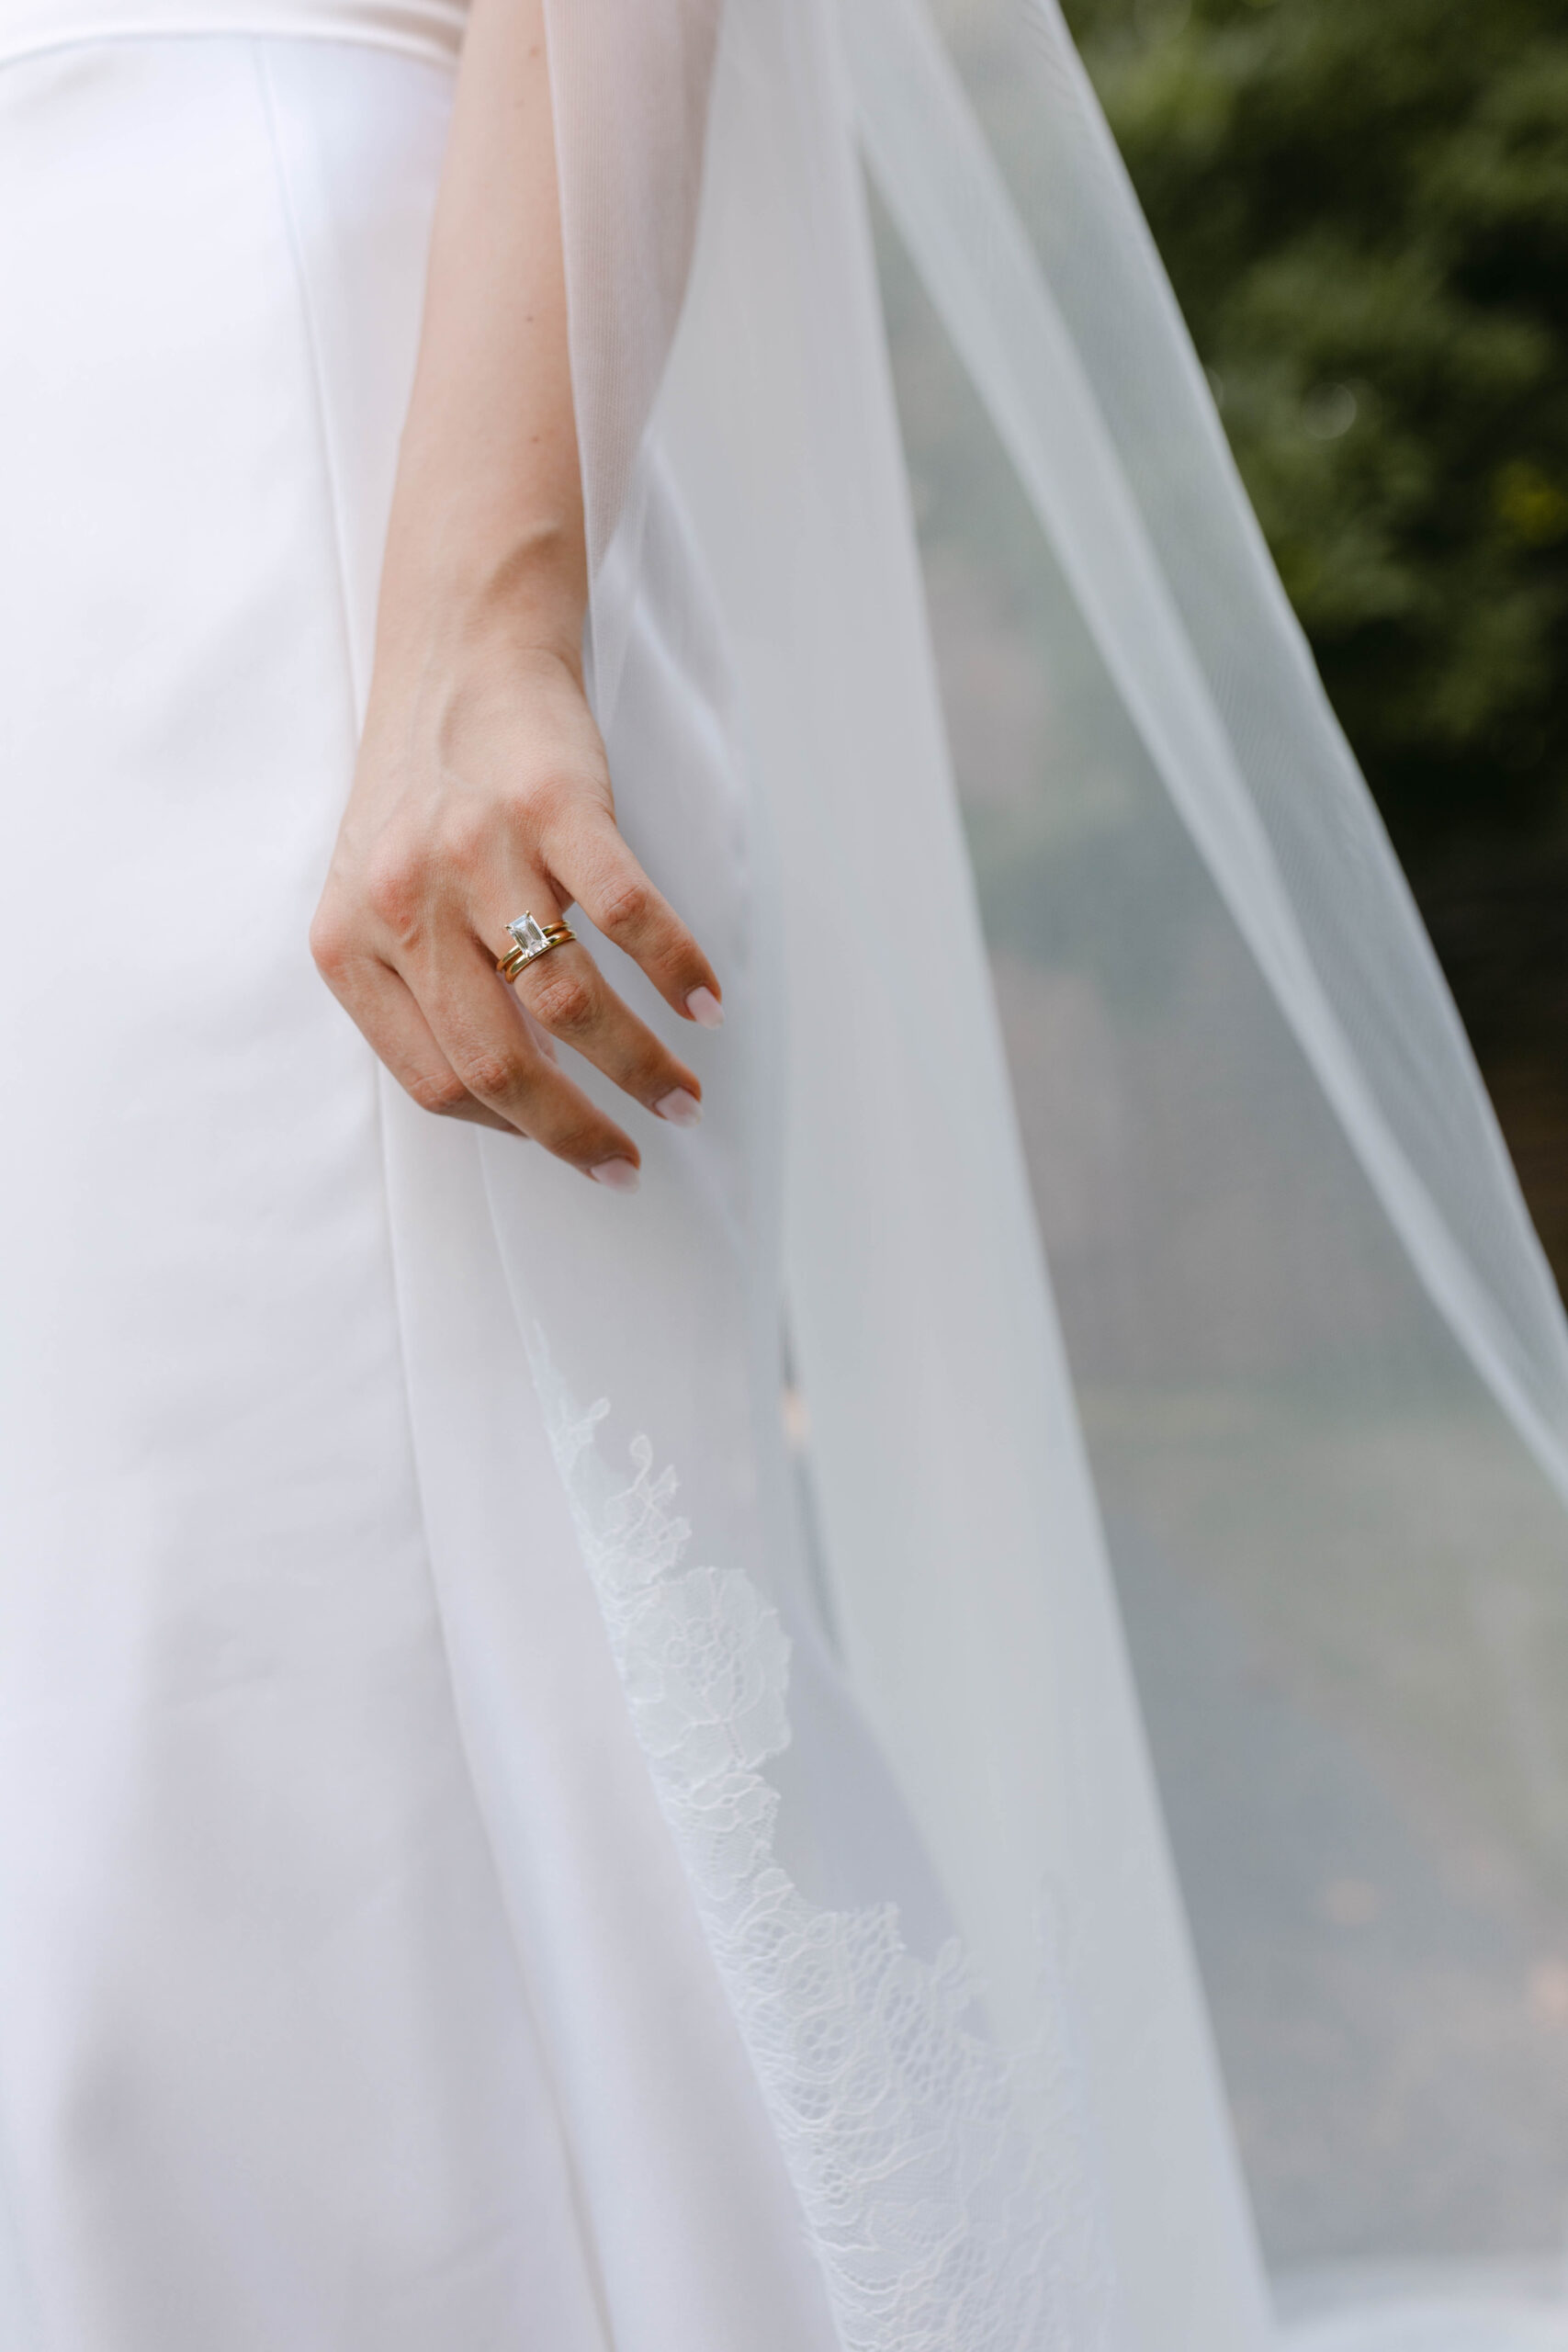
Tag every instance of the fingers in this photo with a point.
(571, 1000)
(592, 860)
(396, 1030)
(486, 1042)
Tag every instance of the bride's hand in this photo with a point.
(481, 792)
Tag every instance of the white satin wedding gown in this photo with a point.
(332, 2015)
(353, 1991)
(448, 1901)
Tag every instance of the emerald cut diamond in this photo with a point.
(529, 935)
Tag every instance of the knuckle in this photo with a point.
(563, 1001)
(440, 1092)
(467, 839)
(654, 1076)
(544, 807)
(490, 1074)
(625, 905)
(332, 944)
(583, 1142)
(682, 964)
(394, 891)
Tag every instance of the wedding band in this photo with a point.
(530, 940)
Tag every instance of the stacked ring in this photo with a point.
(530, 940)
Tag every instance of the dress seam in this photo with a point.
(380, 1079)
(315, 370)
(107, 36)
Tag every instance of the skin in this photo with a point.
(482, 788)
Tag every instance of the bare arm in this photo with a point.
(482, 788)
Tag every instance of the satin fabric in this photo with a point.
(424, 1809)
(352, 1992)
(431, 29)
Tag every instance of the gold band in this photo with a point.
(530, 940)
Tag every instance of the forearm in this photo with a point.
(482, 791)
(487, 528)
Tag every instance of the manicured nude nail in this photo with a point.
(618, 1175)
(705, 1009)
(680, 1107)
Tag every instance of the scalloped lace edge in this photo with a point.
(942, 2181)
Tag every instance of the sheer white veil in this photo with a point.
(730, 362)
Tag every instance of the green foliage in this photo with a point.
(1364, 207)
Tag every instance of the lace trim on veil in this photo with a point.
(949, 2209)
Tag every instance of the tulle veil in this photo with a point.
(731, 372)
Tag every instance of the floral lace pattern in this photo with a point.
(945, 2218)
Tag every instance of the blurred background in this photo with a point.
(1345, 1584)
(1364, 211)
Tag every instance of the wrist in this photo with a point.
(465, 587)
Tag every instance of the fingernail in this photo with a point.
(681, 1107)
(618, 1175)
(705, 1009)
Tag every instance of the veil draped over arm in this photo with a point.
(729, 357)
(630, 88)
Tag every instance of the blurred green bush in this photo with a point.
(1364, 207)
